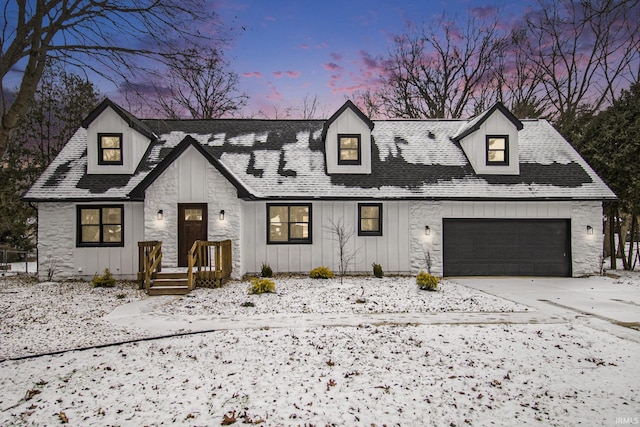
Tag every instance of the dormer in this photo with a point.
(116, 140)
(490, 142)
(347, 141)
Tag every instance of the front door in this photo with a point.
(192, 226)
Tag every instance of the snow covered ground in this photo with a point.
(554, 372)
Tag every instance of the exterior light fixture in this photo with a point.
(160, 215)
(221, 215)
(589, 230)
(427, 230)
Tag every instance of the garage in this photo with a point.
(506, 247)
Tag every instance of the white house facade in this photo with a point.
(492, 195)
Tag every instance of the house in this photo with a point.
(493, 195)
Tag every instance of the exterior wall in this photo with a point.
(134, 144)
(192, 179)
(586, 249)
(475, 146)
(350, 123)
(391, 250)
(57, 230)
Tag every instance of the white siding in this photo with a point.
(348, 123)
(57, 231)
(474, 145)
(192, 179)
(134, 144)
(391, 250)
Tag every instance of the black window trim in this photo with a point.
(290, 241)
(101, 160)
(506, 151)
(81, 244)
(350, 162)
(369, 233)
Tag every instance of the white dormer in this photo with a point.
(347, 141)
(490, 142)
(116, 140)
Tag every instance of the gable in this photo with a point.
(347, 141)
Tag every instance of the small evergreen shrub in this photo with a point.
(427, 282)
(266, 270)
(261, 286)
(104, 281)
(321, 273)
(377, 270)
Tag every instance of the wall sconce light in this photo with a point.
(160, 215)
(589, 230)
(221, 215)
(427, 230)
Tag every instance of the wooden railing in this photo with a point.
(149, 261)
(209, 263)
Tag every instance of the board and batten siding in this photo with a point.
(391, 250)
(192, 179)
(57, 228)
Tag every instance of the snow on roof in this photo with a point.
(285, 159)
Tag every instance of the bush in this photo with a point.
(377, 270)
(261, 286)
(104, 281)
(321, 273)
(266, 270)
(427, 282)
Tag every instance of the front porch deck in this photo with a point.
(209, 265)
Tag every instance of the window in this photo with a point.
(348, 149)
(289, 223)
(100, 225)
(369, 219)
(498, 150)
(109, 148)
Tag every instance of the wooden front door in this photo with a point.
(192, 226)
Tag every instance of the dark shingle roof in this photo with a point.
(285, 159)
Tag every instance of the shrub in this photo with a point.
(261, 286)
(266, 270)
(321, 273)
(427, 282)
(377, 270)
(104, 281)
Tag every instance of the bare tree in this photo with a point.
(346, 255)
(436, 71)
(197, 83)
(584, 51)
(309, 107)
(110, 38)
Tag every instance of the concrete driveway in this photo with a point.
(602, 297)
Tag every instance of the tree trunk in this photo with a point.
(623, 227)
(611, 220)
(629, 261)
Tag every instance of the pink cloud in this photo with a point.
(305, 46)
(293, 74)
(256, 74)
(335, 56)
(331, 66)
(277, 74)
(483, 12)
(274, 94)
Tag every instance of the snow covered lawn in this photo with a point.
(506, 374)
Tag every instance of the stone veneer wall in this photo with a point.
(191, 179)
(586, 249)
(423, 214)
(56, 240)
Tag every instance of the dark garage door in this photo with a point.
(506, 247)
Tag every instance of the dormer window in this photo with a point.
(109, 148)
(497, 150)
(349, 149)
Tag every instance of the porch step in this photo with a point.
(170, 284)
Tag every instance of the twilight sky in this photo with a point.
(283, 50)
(329, 48)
